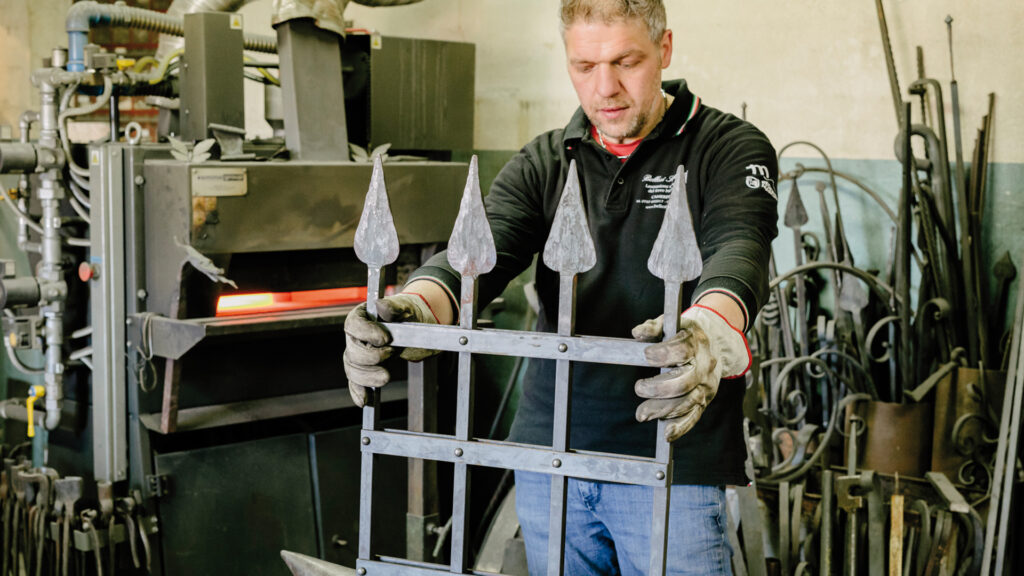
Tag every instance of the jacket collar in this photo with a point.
(683, 108)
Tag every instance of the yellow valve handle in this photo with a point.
(36, 392)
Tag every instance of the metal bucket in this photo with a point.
(897, 437)
(961, 416)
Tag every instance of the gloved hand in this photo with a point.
(704, 350)
(367, 342)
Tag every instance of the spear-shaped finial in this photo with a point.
(376, 241)
(471, 247)
(676, 254)
(796, 212)
(570, 248)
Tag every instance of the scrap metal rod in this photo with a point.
(890, 64)
(903, 268)
(1003, 448)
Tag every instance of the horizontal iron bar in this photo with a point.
(595, 349)
(586, 466)
(388, 566)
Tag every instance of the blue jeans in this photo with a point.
(608, 526)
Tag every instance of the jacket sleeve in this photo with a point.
(515, 212)
(739, 218)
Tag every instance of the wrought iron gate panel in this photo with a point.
(675, 258)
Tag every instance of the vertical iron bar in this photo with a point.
(675, 258)
(825, 554)
(561, 426)
(422, 508)
(376, 245)
(371, 417)
(904, 248)
(463, 431)
(784, 528)
(663, 450)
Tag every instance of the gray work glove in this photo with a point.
(705, 350)
(367, 342)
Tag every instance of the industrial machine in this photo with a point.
(193, 416)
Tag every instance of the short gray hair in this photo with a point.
(651, 12)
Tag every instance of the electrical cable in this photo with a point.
(82, 211)
(101, 101)
(80, 195)
(18, 365)
(263, 72)
(83, 183)
(162, 69)
(4, 199)
(141, 63)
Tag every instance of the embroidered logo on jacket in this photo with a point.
(761, 178)
(657, 189)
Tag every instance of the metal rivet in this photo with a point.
(361, 571)
(140, 180)
(556, 463)
(660, 475)
(366, 440)
(141, 294)
(463, 340)
(458, 451)
(128, 321)
(562, 347)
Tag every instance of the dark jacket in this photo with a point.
(731, 172)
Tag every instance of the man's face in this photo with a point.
(616, 71)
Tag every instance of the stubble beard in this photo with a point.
(632, 130)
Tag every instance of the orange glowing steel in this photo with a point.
(238, 304)
(244, 301)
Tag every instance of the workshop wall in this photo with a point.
(28, 33)
(807, 70)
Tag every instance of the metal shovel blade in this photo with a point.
(376, 241)
(471, 248)
(570, 248)
(676, 255)
(302, 565)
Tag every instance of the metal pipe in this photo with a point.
(18, 292)
(17, 158)
(946, 210)
(25, 122)
(14, 409)
(82, 15)
(54, 290)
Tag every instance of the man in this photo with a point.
(628, 138)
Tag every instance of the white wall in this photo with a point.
(808, 69)
(28, 33)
